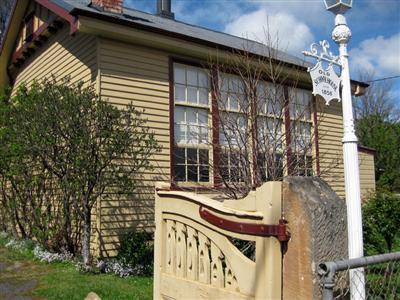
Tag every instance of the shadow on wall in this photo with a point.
(62, 55)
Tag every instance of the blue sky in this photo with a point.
(375, 25)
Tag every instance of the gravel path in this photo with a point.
(11, 288)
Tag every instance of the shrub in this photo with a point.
(61, 148)
(136, 250)
(381, 223)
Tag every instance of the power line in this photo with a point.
(385, 78)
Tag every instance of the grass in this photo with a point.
(63, 281)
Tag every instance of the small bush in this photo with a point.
(136, 251)
(381, 223)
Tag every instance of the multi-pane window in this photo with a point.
(269, 135)
(233, 130)
(270, 99)
(233, 93)
(234, 133)
(270, 138)
(244, 150)
(301, 139)
(191, 86)
(233, 136)
(191, 124)
(300, 104)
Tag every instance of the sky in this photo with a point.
(375, 25)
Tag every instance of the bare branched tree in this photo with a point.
(378, 100)
(265, 123)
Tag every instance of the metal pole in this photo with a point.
(327, 272)
(341, 35)
(342, 265)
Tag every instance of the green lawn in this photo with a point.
(21, 275)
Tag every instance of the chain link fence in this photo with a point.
(379, 274)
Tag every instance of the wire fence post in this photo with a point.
(382, 278)
(327, 273)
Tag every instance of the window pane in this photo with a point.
(223, 159)
(274, 107)
(204, 173)
(179, 74)
(192, 173)
(191, 77)
(191, 115)
(223, 82)
(179, 171)
(203, 96)
(203, 135)
(192, 156)
(223, 103)
(234, 101)
(179, 93)
(203, 156)
(307, 103)
(179, 114)
(180, 134)
(234, 85)
(179, 155)
(224, 172)
(202, 117)
(222, 137)
(261, 164)
(203, 79)
(192, 95)
(193, 135)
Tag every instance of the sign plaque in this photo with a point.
(325, 82)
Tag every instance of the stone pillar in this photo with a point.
(317, 222)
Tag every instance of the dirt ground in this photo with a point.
(14, 284)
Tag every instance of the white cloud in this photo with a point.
(292, 34)
(378, 54)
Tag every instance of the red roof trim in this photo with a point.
(316, 124)
(72, 20)
(19, 53)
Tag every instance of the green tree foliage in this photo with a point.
(89, 147)
(381, 221)
(383, 136)
(378, 126)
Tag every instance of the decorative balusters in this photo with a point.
(204, 259)
(217, 271)
(180, 250)
(192, 254)
(230, 279)
(170, 247)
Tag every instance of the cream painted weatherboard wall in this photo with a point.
(130, 73)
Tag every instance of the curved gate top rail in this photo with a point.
(194, 254)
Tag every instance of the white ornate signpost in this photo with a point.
(341, 35)
(325, 82)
